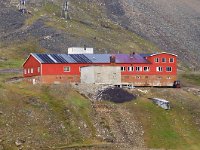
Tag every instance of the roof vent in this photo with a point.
(131, 55)
(112, 59)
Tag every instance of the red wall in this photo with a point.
(58, 69)
(163, 64)
(31, 63)
(54, 69)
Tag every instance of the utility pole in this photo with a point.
(65, 10)
(22, 6)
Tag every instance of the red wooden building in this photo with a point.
(159, 69)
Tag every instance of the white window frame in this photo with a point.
(130, 68)
(39, 69)
(28, 70)
(156, 60)
(163, 59)
(66, 69)
(32, 70)
(137, 77)
(148, 68)
(123, 68)
(168, 77)
(170, 70)
(25, 72)
(170, 60)
(159, 69)
(138, 68)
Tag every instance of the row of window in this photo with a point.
(160, 69)
(163, 60)
(145, 69)
(131, 68)
(146, 77)
(123, 68)
(31, 70)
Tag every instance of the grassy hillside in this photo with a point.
(172, 25)
(58, 117)
(177, 128)
(45, 29)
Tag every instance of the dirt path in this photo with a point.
(14, 70)
(117, 125)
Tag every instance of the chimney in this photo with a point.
(112, 59)
(85, 47)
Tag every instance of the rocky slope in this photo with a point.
(172, 25)
(58, 117)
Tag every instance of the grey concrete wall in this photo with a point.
(101, 74)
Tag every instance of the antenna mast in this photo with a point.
(22, 6)
(65, 9)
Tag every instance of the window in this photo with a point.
(138, 68)
(123, 68)
(159, 69)
(130, 68)
(171, 60)
(66, 69)
(168, 77)
(163, 60)
(169, 69)
(156, 60)
(28, 70)
(146, 69)
(38, 69)
(31, 70)
(137, 77)
(25, 71)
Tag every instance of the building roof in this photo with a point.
(146, 55)
(88, 58)
(130, 58)
(163, 53)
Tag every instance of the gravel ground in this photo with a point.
(113, 123)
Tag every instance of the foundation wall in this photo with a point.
(150, 80)
(53, 79)
(137, 80)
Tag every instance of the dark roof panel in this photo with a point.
(45, 58)
(89, 58)
(99, 58)
(130, 58)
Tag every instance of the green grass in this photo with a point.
(47, 10)
(173, 129)
(91, 27)
(191, 78)
(15, 54)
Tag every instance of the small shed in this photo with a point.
(162, 103)
(101, 75)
